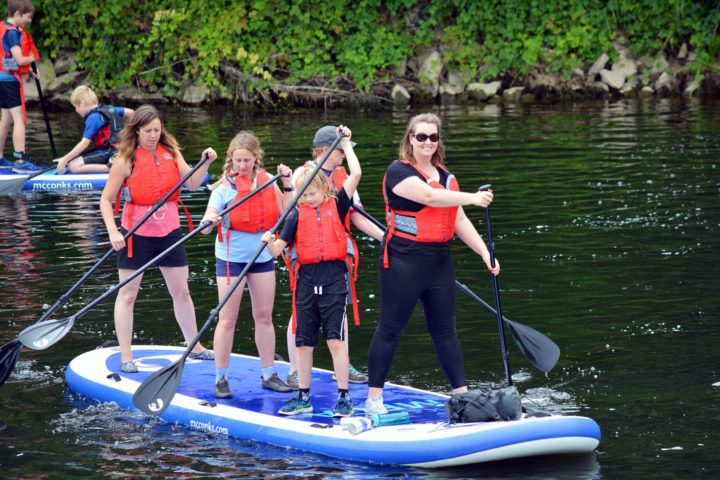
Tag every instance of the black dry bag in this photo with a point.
(484, 405)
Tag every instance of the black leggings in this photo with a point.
(429, 278)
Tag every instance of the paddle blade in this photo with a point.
(539, 350)
(154, 395)
(9, 354)
(45, 334)
(11, 184)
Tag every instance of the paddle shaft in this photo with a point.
(164, 253)
(66, 296)
(496, 292)
(44, 110)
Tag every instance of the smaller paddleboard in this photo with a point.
(51, 181)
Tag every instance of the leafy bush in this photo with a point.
(166, 43)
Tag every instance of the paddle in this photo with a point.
(44, 110)
(6, 366)
(12, 184)
(539, 350)
(154, 395)
(44, 334)
(496, 291)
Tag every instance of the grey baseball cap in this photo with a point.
(325, 136)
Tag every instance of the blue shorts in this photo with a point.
(221, 267)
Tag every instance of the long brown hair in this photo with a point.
(406, 149)
(247, 140)
(129, 138)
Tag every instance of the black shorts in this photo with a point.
(98, 157)
(147, 248)
(10, 95)
(319, 307)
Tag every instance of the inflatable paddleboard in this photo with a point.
(428, 441)
(51, 181)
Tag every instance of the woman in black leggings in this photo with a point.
(424, 211)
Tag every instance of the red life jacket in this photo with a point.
(256, 214)
(429, 224)
(109, 134)
(27, 47)
(337, 179)
(260, 212)
(152, 177)
(320, 237)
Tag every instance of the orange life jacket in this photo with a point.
(260, 212)
(27, 47)
(429, 224)
(152, 177)
(320, 237)
(256, 214)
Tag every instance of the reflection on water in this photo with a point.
(606, 222)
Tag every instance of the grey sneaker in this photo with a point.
(292, 380)
(222, 389)
(275, 384)
(355, 376)
(375, 406)
(129, 367)
(204, 355)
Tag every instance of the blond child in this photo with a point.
(315, 229)
(103, 124)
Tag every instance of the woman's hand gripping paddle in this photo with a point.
(154, 395)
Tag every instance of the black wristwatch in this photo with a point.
(286, 189)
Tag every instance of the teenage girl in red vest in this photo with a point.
(315, 230)
(147, 166)
(424, 212)
(336, 175)
(239, 235)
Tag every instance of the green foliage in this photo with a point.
(167, 43)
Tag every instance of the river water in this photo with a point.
(606, 224)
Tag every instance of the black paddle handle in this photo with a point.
(66, 296)
(44, 111)
(215, 312)
(496, 292)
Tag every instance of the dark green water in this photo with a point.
(606, 224)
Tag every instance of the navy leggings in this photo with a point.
(412, 277)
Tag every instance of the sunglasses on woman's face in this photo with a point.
(421, 137)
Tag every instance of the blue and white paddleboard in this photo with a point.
(51, 181)
(428, 441)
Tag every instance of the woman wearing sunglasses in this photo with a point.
(423, 205)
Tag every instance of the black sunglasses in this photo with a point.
(421, 137)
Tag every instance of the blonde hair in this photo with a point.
(129, 138)
(247, 141)
(83, 94)
(406, 148)
(319, 181)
